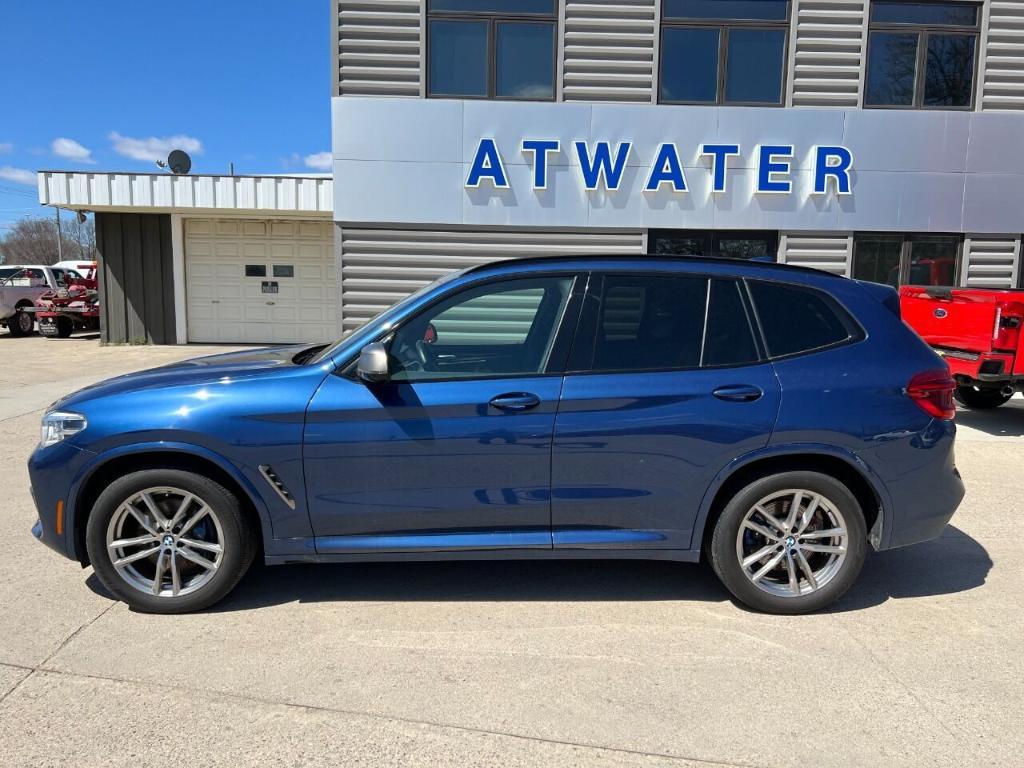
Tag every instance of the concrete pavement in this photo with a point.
(575, 663)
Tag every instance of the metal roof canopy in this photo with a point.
(306, 196)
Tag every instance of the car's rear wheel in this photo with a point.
(980, 399)
(169, 541)
(790, 543)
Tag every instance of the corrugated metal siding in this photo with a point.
(608, 50)
(97, 191)
(827, 251)
(381, 266)
(379, 48)
(991, 262)
(827, 53)
(1003, 73)
(136, 286)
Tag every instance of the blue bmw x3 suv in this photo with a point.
(777, 421)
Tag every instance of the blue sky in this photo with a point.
(108, 85)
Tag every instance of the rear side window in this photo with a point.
(729, 339)
(650, 321)
(796, 319)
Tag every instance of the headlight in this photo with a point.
(60, 425)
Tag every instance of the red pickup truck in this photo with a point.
(978, 332)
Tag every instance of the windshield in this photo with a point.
(6, 272)
(356, 336)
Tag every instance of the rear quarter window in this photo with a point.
(797, 319)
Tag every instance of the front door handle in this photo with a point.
(738, 393)
(515, 401)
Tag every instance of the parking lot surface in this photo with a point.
(575, 663)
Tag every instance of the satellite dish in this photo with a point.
(179, 162)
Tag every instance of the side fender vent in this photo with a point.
(275, 482)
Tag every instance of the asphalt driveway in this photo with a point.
(576, 663)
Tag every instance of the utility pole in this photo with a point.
(60, 252)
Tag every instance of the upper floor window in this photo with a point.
(723, 51)
(922, 55)
(491, 49)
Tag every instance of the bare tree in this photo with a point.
(34, 241)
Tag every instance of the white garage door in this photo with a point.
(259, 281)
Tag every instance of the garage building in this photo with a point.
(220, 259)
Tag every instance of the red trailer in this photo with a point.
(978, 332)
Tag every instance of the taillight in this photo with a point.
(933, 393)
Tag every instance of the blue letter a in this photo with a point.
(666, 168)
(487, 165)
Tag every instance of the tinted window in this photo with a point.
(754, 65)
(918, 58)
(650, 322)
(747, 244)
(284, 270)
(505, 328)
(954, 14)
(726, 9)
(877, 259)
(796, 319)
(689, 64)
(458, 58)
(949, 74)
(255, 270)
(892, 67)
(933, 260)
(728, 340)
(524, 67)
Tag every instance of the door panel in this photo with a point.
(429, 465)
(635, 452)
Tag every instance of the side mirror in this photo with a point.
(373, 363)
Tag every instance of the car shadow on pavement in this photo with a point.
(948, 565)
(1005, 421)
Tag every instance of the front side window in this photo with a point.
(907, 259)
(723, 51)
(491, 49)
(796, 319)
(499, 329)
(922, 55)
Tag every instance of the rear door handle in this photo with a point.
(738, 393)
(515, 401)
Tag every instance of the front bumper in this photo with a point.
(52, 471)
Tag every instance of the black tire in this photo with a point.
(64, 327)
(980, 399)
(239, 540)
(21, 323)
(726, 561)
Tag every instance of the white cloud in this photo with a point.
(321, 161)
(72, 150)
(17, 175)
(153, 147)
(6, 148)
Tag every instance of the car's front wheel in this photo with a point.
(790, 543)
(169, 541)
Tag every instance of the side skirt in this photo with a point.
(677, 555)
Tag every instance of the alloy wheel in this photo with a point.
(165, 542)
(792, 542)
